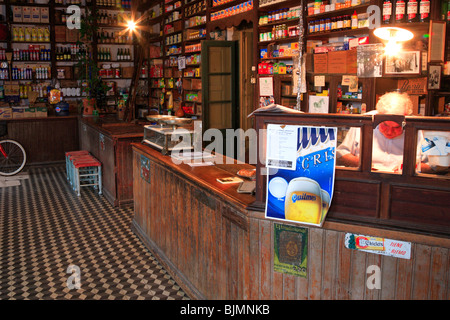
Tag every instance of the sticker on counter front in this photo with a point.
(301, 188)
(387, 247)
(145, 169)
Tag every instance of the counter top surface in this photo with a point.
(113, 127)
(206, 176)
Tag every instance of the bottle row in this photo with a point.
(398, 11)
(104, 54)
(68, 2)
(339, 23)
(105, 37)
(68, 53)
(124, 4)
(281, 14)
(33, 53)
(31, 34)
(279, 32)
(105, 17)
(26, 73)
(317, 7)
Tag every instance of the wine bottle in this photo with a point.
(400, 11)
(387, 11)
(411, 11)
(424, 10)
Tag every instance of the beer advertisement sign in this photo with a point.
(300, 162)
(383, 246)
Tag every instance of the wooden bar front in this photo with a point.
(45, 140)
(216, 247)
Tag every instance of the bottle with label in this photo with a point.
(411, 11)
(387, 11)
(354, 20)
(424, 10)
(400, 11)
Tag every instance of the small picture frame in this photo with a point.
(403, 63)
(434, 77)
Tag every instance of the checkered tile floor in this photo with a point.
(49, 237)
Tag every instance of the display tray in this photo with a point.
(160, 137)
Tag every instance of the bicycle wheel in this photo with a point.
(15, 159)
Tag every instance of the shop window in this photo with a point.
(433, 152)
(348, 147)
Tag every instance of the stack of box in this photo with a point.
(31, 14)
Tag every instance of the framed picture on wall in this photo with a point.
(403, 63)
(436, 42)
(434, 77)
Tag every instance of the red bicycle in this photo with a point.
(12, 156)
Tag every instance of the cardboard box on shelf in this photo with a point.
(26, 14)
(29, 113)
(321, 63)
(45, 15)
(17, 14)
(35, 14)
(5, 113)
(18, 113)
(342, 61)
(196, 84)
(60, 33)
(41, 112)
(72, 35)
(127, 72)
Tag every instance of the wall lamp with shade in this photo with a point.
(394, 36)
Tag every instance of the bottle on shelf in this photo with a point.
(387, 11)
(424, 10)
(400, 11)
(412, 11)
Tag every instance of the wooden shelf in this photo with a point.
(348, 32)
(333, 13)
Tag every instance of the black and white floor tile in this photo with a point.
(51, 241)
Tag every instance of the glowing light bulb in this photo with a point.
(392, 48)
(131, 25)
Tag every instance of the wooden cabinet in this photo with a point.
(110, 143)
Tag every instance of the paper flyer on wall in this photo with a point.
(301, 171)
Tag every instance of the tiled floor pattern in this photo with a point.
(49, 237)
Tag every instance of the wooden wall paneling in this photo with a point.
(315, 263)
(357, 275)
(404, 277)
(247, 261)
(329, 265)
(343, 269)
(421, 279)
(255, 254)
(372, 260)
(388, 281)
(266, 262)
(440, 271)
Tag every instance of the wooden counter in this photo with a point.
(110, 142)
(215, 247)
(45, 139)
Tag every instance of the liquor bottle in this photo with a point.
(424, 10)
(387, 11)
(411, 11)
(119, 54)
(400, 11)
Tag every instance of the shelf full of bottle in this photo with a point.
(33, 53)
(30, 34)
(25, 72)
(68, 52)
(112, 18)
(401, 11)
(114, 4)
(122, 55)
(111, 37)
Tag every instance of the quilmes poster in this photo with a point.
(301, 169)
